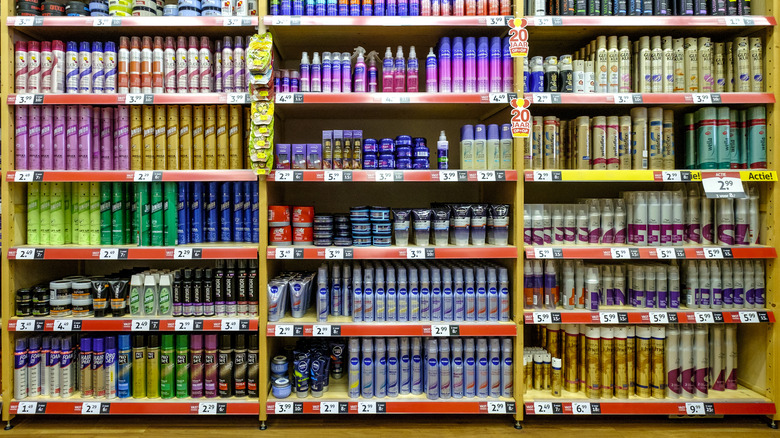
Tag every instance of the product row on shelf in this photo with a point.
(229, 289)
(131, 137)
(127, 8)
(145, 214)
(643, 8)
(145, 367)
(392, 8)
(666, 218)
(408, 292)
(441, 225)
(714, 138)
(140, 65)
(651, 65)
(716, 284)
(392, 367)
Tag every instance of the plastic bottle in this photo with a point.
(399, 71)
(388, 72)
(431, 72)
(412, 72)
(360, 71)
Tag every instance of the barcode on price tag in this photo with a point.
(283, 330)
(320, 330)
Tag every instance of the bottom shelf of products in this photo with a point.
(337, 401)
(741, 401)
(140, 406)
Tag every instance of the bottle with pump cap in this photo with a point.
(388, 72)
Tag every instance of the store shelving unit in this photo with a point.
(25, 265)
(759, 335)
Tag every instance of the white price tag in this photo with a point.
(701, 98)
(280, 20)
(440, 330)
(184, 325)
(140, 325)
(608, 317)
(143, 176)
(329, 407)
(230, 325)
(542, 175)
(498, 98)
(236, 98)
(496, 407)
(704, 317)
(24, 99)
(580, 408)
(542, 318)
(448, 175)
(285, 98)
(624, 98)
(543, 21)
(620, 253)
(102, 22)
(284, 253)
(283, 408)
(23, 176)
(713, 253)
(231, 21)
(283, 175)
(27, 408)
(25, 325)
(665, 253)
(694, 408)
(542, 98)
(723, 186)
(748, 317)
(90, 408)
(495, 21)
(320, 330)
(134, 99)
(25, 254)
(671, 176)
(109, 253)
(391, 98)
(486, 175)
(207, 409)
(659, 318)
(63, 325)
(182, 253)
(415, 253)
(543, 253)
(384, 176)
(334, 253)
(283, 330)
(366, 407)
(543, 408)
(24, 21)
(735, 21)
(334, 176)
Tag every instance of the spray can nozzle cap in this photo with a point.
(412, 53)
(388, 53)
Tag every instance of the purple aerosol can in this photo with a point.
(445, 66)
(483, 65)
(122, 138)
(458, 79)
(507, 75)
(21, 137)
(496, 85)
(47, 137)
(72, 138)
(85, 137)
(470, 65)
(58, 151)
(34, 138)
(304, 72)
